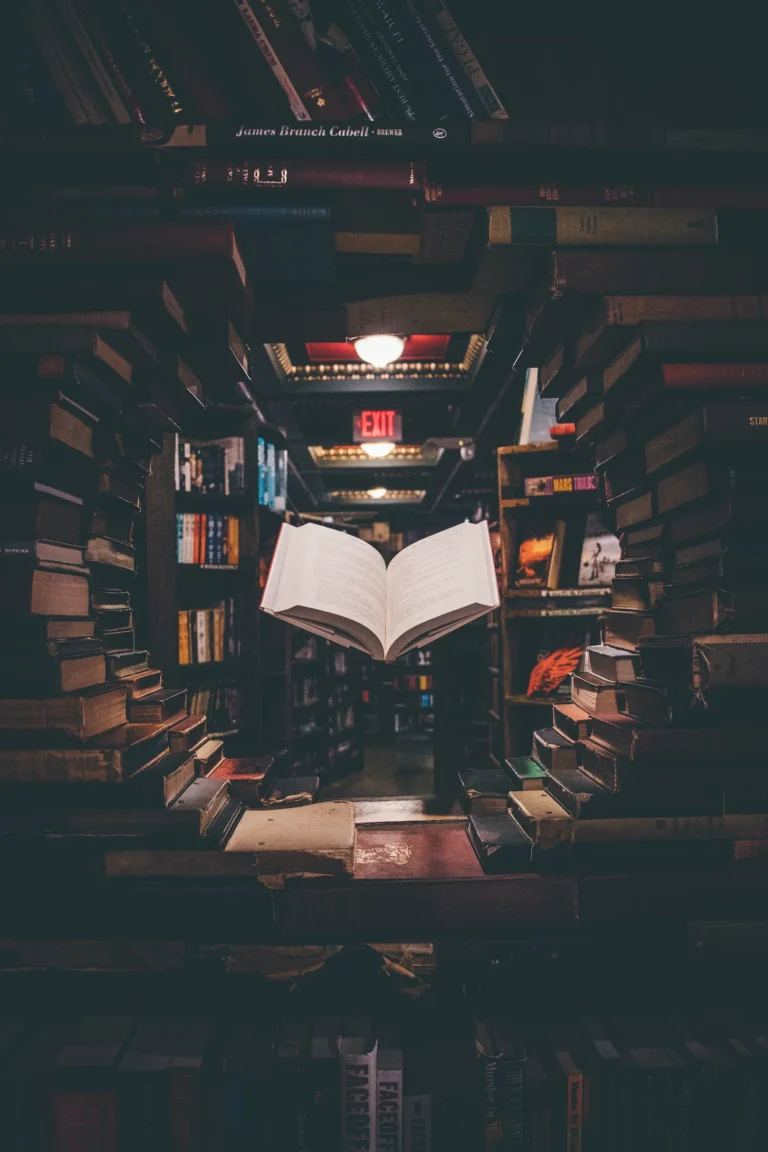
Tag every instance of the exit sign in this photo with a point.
(377, 424)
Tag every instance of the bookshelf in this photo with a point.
(206, 553)
(543, 489)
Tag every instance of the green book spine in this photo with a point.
(603, 227)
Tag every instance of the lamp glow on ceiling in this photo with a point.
(378, 449)
(379, 350)
(377, 493)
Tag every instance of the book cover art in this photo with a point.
(537, 560)
(600, 552)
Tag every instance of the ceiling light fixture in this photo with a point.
(379, 350)
(377, 493)
(378, 449)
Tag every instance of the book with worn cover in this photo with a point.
(499, 841)
(553, 750)
(542, 818)
(319, 838)
(78, 715)
(109, 757)
(483, 790)
(614, 664)
(601, 227)
(340, 587)
(595, 695)
(572, 721)
(523, 773)
(708, 664)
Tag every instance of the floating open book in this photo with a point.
(339, 587)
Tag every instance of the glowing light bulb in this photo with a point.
(377, 493)
(379, 350)
(378, 449)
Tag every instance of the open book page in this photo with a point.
(432, 585)
(320, 577)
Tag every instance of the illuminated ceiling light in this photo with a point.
(378, 449)
(377, 493)
(379, 350)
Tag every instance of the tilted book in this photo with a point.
(333, 584)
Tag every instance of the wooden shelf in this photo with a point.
(529, 449)
(560, 502)
(413, 881)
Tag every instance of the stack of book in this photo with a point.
(677, 412)
(92, 746)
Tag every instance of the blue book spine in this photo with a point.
(220, 558)
(261, 461)
(210, 540)
(271, 476)
(241, 213)
(179, 538)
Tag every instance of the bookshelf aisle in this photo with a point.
(556, 572)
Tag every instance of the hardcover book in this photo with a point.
(538, 555)
(600, 552)
(340, 587)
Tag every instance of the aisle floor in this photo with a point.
(402, 768)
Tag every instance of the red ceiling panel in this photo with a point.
(421, 347)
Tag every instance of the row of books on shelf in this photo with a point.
(341, 719)
(210, 635)
(220, 703)
(306, 690)
(410, 683)
(207, 538)
(272, 475)
(135, 67)
(210, 467)
(539, 544)
(329, 1072)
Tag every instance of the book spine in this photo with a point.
(85, 1120)
(626, 227)
(186, 1110)
(512, 1071)
(280, 41)
(50, 54)
(574, 1108)
(543, 195)
(713, 375)
(154, 241)
(358, 1102)
(462, 101)
(179, 538)
(161, 89)
(466, 59)
(417, 1123)
(389, 1110)
(88, 50)
(54, 45)
(697, 196)
(210, 539)
(381, 60)
(490, 1095)
(633, 310)
(261, 461)
(269, 173)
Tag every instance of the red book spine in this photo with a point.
(295, 66)
(398, 175)
(546, 195)
(167, 240)
(713, 375)
(186, 1110)
(85, 1122)
(745, 198)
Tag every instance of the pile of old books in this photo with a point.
(661, 748)
(93, 749)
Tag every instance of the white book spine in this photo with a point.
(417, 1124)
(358, 1101)
(202, 636)
(389, 1110)
(189, 537)
(176, 463)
